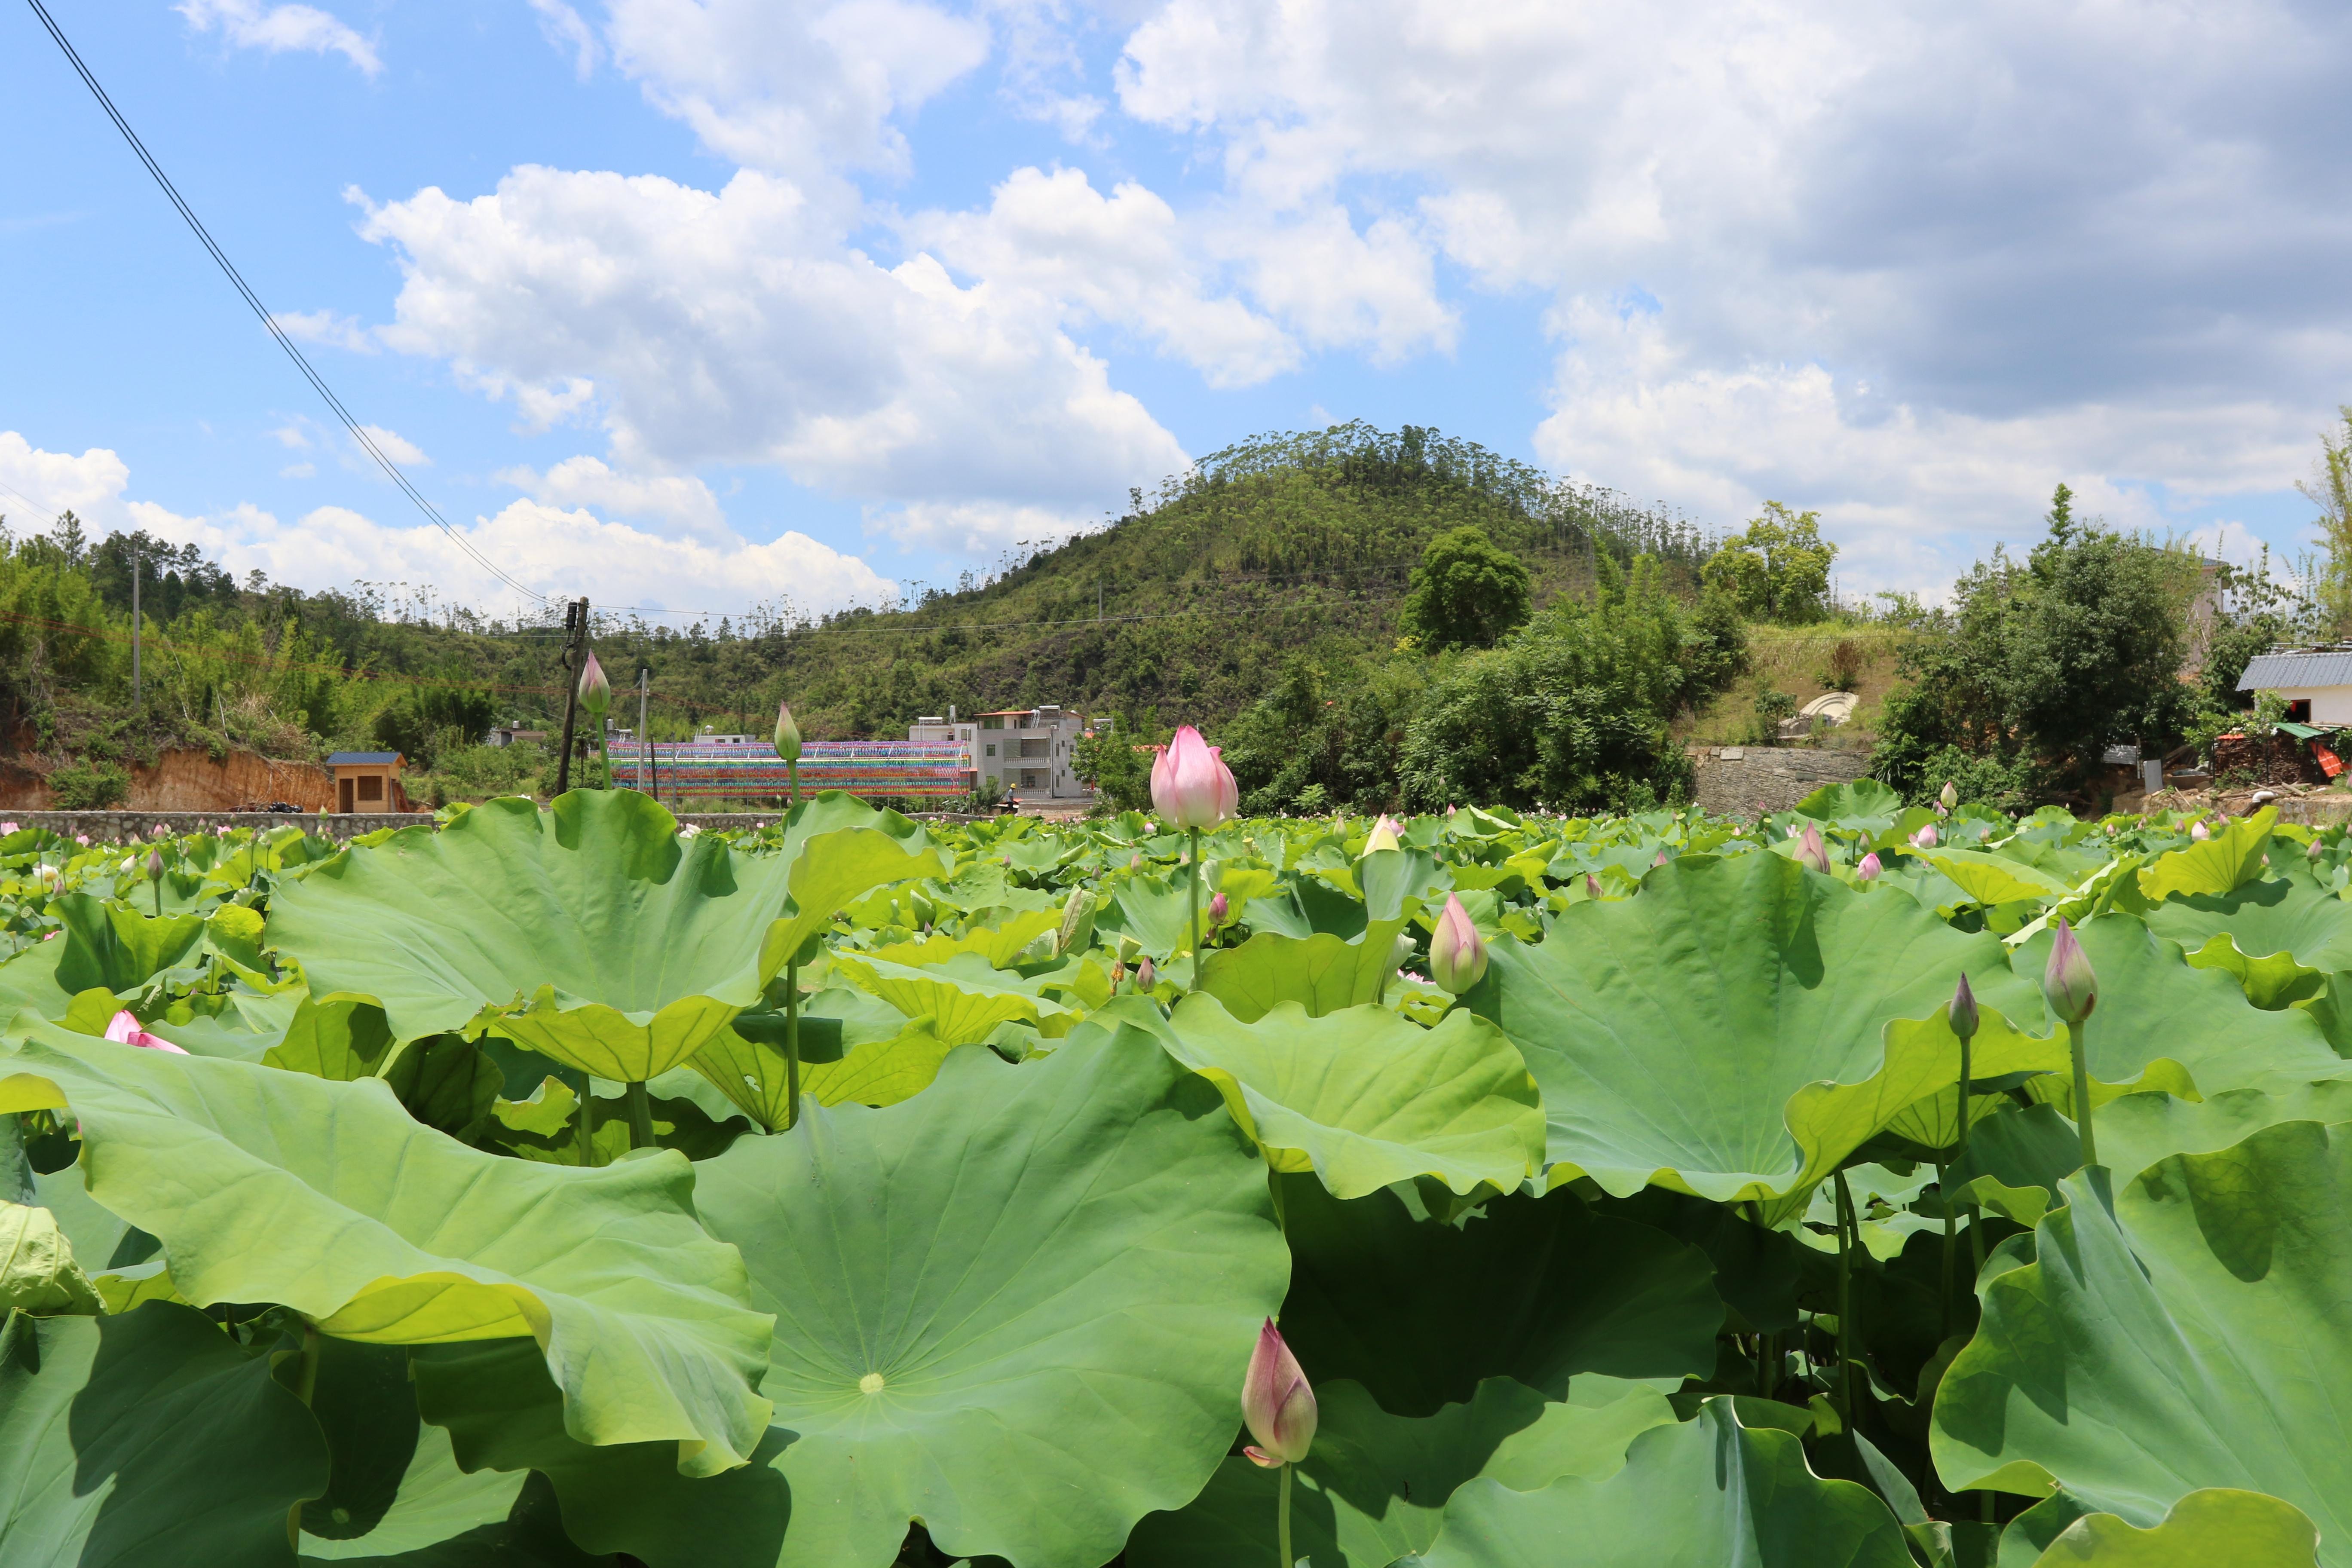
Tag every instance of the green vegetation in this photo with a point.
(553, 1186)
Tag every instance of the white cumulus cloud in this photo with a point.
(278, 30)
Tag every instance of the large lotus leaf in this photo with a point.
(152, 1437)
(110, 948)
(1993, 878)
(2291, 915)
(29, 985)
(1373, 1487)
(964, 997)
(1322, 972)
(39, 1273)
(1539, 1289)
(756, 1077)
(1669, 1032)
(2192, 1336)
(1700, 1494)
(1363, 1097)
(2205, 1529)
(265, 1186)
(1865, 802)
(2224, 863)
(2163, 1024)
(591, 931)
(1017, 1307)
(998, 945)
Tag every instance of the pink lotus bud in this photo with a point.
(2071, 988)
(1924, 838)
(1949, 798)
(1660, 860)
(1135, 861)
(596, 691)
(123, 1030)
(1218, 909)
(787, 734)
(1191, 785)
(2199, 832)
(154, 865)
(1277, 1403)
(1964, 1010)
(81, 838)
(1591, 886)
(161, 832)
(1457, 958)
(2313, 853)
(1811, 852)
(1868, 869)
(1147, 974)
(1383, 837)
(7, 827)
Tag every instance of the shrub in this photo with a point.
(89, 786)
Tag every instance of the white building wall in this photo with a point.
(2330, 704)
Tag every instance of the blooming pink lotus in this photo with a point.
(1457, 958)
(123, 1030)
(1191, 785)
(1924, 838)
(1277, 1403)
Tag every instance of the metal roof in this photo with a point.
(361, 759)
(2270, 671)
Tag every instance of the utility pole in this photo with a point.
(575, 627)
(1099, 599)
(138, 702)
(645, 736)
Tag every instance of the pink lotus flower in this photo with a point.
(1924, 838)
(2199, 832)
(1457, 958)
(1383, 837)
(596, 691)
(1218, 909)
(2067, 980)
(7, 827)
(1147, 974)
(82, 837)
(1277, 1403)
(123, 1030)
(1191, 785)
(1868, 869)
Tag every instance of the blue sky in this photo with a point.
(699, 305)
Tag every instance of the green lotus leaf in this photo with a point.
(590, 932)
(265, 1186)
(147, 1437)
(30, 985)
(1321, 973)
(1865, 802)
(2222, 864)
(964, 997)
(2290, 914)
(1539, 1289)
(1698, 1494)
(1992, 878)
(2271, 982)
(110, 948)
(1000, 945)
(1363, 1097)
(1669, 1032)
(755, 1076)
(2161, 1024)
(2189, 1337)
(2216, 1525)
(38, 1273)
(442, 1517)
(1373, 1487)
(1017, 1307)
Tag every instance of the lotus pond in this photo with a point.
(550, 1186)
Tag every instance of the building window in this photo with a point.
(992, 751)
(992, 723)
(2297, 712)
(1033, 778)
(1033, 748)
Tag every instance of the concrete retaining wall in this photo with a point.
(1752, 781)
(119, 827)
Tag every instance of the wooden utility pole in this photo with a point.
(575, 629)
(137, 696)
(644, 736)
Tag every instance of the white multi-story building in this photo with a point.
(1030, 752)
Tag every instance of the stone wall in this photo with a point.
(119, 827)
(1749, 781)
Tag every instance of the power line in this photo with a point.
(359, 433)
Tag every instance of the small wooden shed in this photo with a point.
(365, 781)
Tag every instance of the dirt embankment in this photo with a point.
(190, 780)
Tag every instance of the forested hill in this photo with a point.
(1190, 603)
(1188, 608)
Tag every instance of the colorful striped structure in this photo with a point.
(731, 769)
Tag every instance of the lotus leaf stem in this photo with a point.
(792, 1041)
(306, 1384)
(1192, 932)
(583, 1128)
(1943, 1191)
(1849, 1237)
(641, 1117)
(2082, 1094)
(1282, 1519)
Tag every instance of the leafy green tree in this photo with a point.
(1780, 569)
(2044, 663)
(1466, 593)
(1573, 711)
(1106, 759)
(2330, 489)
